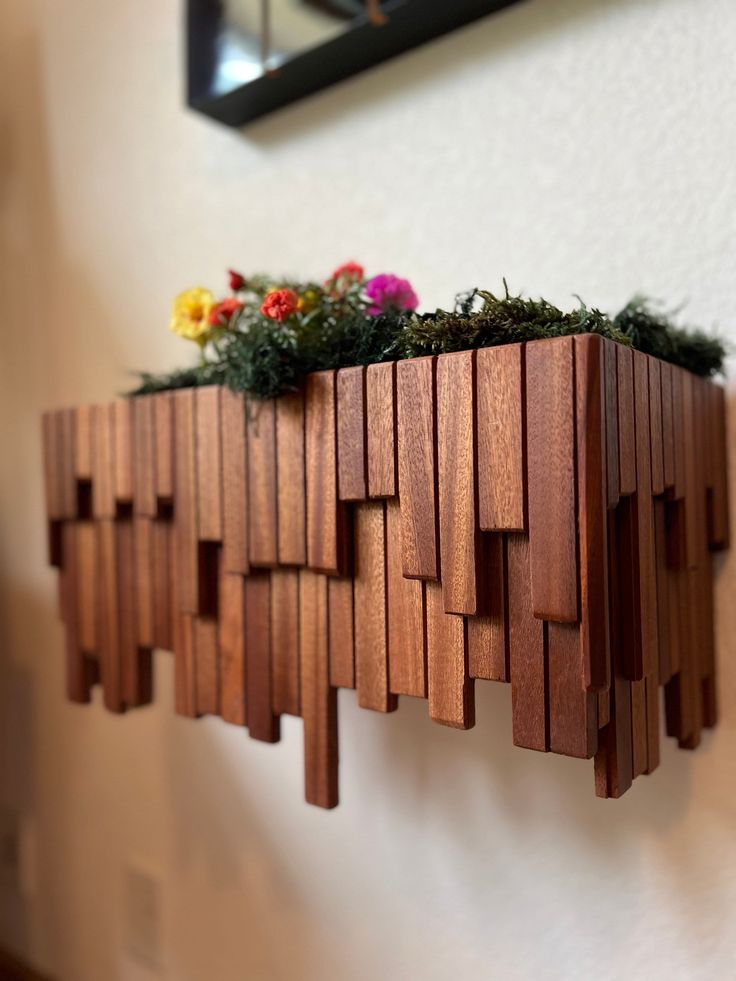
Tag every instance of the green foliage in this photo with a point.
(211, 373)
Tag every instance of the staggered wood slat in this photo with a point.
(542, 514)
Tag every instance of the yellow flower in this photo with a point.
(190, 314)
(308, 302)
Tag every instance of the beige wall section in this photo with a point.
(571, 145)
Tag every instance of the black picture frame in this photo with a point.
(409, 23)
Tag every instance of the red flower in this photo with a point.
(237, 282)
(221, 314)
(279, 304)
(349, 270)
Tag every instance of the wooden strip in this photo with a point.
(144, 475)
(341, 631)
(292, 504)
(663, 593)
(352, 462)
(123, 412)
(450, 688)
(626, 425)
(573, 711)
(110, 654)
(415, 392)
(488, 654)
(640, 744)
(371, 639)
(51, 467)
(163, 534)
(550, 404)
(144, 581)
(678, 428)
(285, 643)
(78, 675)
(327, 540)
(500, 410)
(66, 463)
(234, 483)
(135, 663)
(656, 425)
(209, 465)
(610, 361)
(185, 503)
(103, 462)
(604, 708)
(231, 641)
(83, 442)
(457, 484)
(381, 424)
(185, 671)
(263, 724)
(652, 703)
(690, 462)
(718, 528)
(206, 666)
(407, 640)
(319, 699)
(668, 433)
(594, 654)
(527, 652)
(85, 585)
(163, 417)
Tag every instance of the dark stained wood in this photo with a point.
(163, 417)
(234, 483)
(371, 626)
(352, 462)
(450, 688)
(656, 425)
(263, 547)
(488, 649)
(652, 703)
(135, 662)
(231, 642)
(462, 585)
(407, 639)
(206, 666)
(85, 585)
(550, 406)
(639, 736)
(319, 699)
(500, 414)
(103, 462)
(626, 424)
(573, 711)
(381, 429)
(185, 502)
(109, 643)
(341, 632)
(209, 465)
(292, 501)
(285, 640)
(678, 430)
(123, 412)
(144, 578)
(718, 532)
(668, 433)
(263, 724)
(415, 393)
(610, 365)
(327, 530)
(527, 652)
(144, 462)
(163, 537)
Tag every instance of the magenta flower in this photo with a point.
(389, 292)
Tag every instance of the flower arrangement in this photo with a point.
(265, 336)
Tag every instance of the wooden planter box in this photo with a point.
(540, 514)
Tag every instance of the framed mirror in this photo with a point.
(246, 58)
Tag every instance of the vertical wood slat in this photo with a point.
(500, 421)
(462, 586)
(527, 652)
(610, 365)
(123, 414)
(263, 723)
(416, 435)
(144, 462)
(626, 425)
(352, 462)
(66, 462)
(319, 698)
(209, 465)
(341, 632)
(292, 505)
(488, 655)
(185, 504)
(163, 419)
(83, 442)
(656, 425)
(79, 678)
(51, 467)
(135, 662)
(103, 462)
(327, 542)
(234, 483)
(231, 643)
(110, 660)
(285, 640)
(185, 668)
(85, 585)
(163, 536)
(262, 484)
(550, 405)
(407, 636)
(145, 585)
(718, 529)
(381, 429)
(573, 711)
(371, 626)
(668, 435)
(450, 688)
(206, 666)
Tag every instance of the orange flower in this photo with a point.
(279, 304)
(349, 270)
(221, 314)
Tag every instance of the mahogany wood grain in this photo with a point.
(234, 483)
(185, 502)
(462, 585)
(678, 430)
(209, 465)
(263, 723)
(144, 579)
(163, 536)
(231, 642)
(416, 436)
(719, 524)
(488, 648)
(341, 632)
(86, 585)
(79, 676)
(123, 412)
(656, 425)
(550, 407)
(206, 666)
(185, 671)
(500, 415)
(573, 711)
(292, 501)
(370, 617)
(668, 434)
(163, 417)
(144, 461)
(263, 547)
(381, 429)
(626, 424)
(652, 704)
(103, 462)
(285, 640)
(327, 528)
(665, 640)
(135, 662)
(610, 365)
(450, 688)
(319, 698)
(109, 621)
(66, 463)
(83, 421)
(527, 652)
(639, 735)
(352, 461)
(407, 634)
(51, 467)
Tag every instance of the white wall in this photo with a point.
(572, 145)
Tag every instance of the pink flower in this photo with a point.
(389, 292)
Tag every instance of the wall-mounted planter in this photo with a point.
(541, 514)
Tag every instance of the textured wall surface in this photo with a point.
(572, 145)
